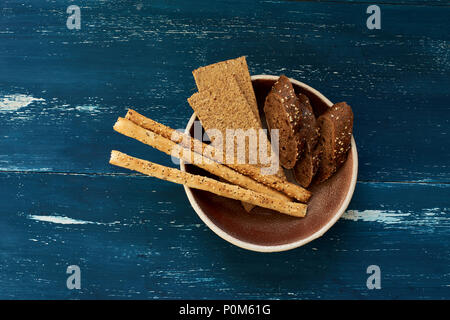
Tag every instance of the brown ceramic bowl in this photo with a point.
(265, 230)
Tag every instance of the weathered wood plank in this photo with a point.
(133, 239)
(141, 56)
(383, 2)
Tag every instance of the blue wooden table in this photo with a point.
(62, 204)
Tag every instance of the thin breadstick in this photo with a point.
(169, 147)
(290, 189)
(207, 184)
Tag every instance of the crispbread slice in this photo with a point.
(232, 78)
(223, 109)
(226, 109)
(207, 78)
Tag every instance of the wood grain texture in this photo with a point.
(396, 79)
(384, 2)
(135, 237)
(150, 244)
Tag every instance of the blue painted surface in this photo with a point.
(135, 237)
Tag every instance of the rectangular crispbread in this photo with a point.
(206, 79)
(228, 109)
(226, 100)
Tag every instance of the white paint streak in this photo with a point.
(14, 102)
(60, 220)
(374, 215)
(65, 220)
(438, 215)
(87, 108)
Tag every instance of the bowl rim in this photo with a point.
(286, 246)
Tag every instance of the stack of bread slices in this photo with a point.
(313, 147)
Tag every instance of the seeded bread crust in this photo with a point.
(336, 127)
(309, 132)
(308, 163)
(225, 109)
(282, 111)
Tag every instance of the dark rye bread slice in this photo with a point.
(306, 167)
(308, 163)
(309, 130)
(336, 127)
(282, 111)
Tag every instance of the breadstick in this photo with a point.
(207, 184)
(169, 147)
(182, 139)
(172, 134)
(290, 189)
